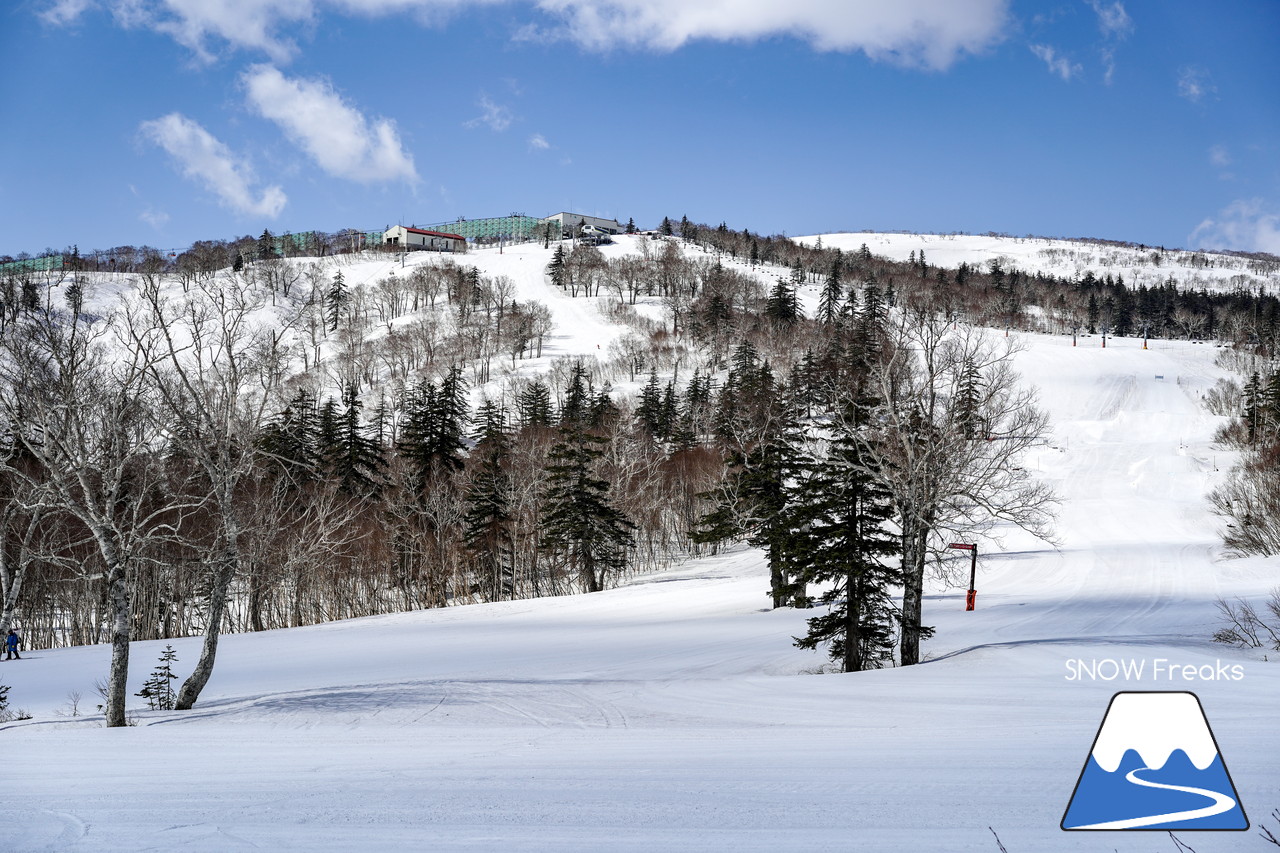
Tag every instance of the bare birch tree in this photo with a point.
(217, 368)
(954, 426)
(82, 409)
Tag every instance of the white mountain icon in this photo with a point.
(1155, 765)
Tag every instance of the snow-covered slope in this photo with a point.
(1150, 266)
(673, 713)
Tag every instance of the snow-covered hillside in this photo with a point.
(673, 713)
(1149, 265)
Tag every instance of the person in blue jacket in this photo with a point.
(11, 644)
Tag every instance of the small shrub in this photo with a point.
(7, 715)
(1224, 398)
(158, 689)
(1246, 628)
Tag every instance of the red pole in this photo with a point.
(971, 600)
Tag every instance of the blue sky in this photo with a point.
(161, 122)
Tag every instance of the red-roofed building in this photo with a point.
(420, 238)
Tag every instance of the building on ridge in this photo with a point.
(421, 238)
(570, 223)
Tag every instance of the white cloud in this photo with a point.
(62, 12)
(249, 24)
(1059, 65)
(157, 219)
(923, 33)
(1249, 225)
(1113, 20)
(1108, 65)
(539, 142)
(1220, 156)
(336, 135)
(496, 116)
(202, 157)
(1194, 83)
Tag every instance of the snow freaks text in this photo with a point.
(1158, 669)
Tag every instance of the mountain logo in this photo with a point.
(1155, 765)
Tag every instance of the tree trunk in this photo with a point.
(852, 632)
(588, 572)
(777, 578)
(913, 560)
(218, 593)
(117, 682)
(11, 580)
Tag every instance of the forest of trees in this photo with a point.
(251, 442)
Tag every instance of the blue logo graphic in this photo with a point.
(1155, 765)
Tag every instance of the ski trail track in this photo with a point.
(1137, 551)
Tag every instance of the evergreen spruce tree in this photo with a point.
(752, 501)
(433, 429)
(965, 409)
(837, 513)
(351, 456)
(30, 299)
(832, 295)
(158, 689)
(782, 305)
(696, 407)
(602, 411)
(533, 406)
(487, 523)
(576, 408)
(631, 225)
(581, 527)
(416, 439)
(762, 477)
(336, 301)
(75, 296)
(869, 329)
(1252, 407)
(555, 269)
(668, 412)
(1270, 403)
(1123, 312)
(328, 434)
(291, 439)
(453, 418)
(649, 407)
(266, 246)
(665, 228)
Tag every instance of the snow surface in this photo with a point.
(1146, 265)
(673, 712)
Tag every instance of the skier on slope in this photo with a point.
(11, 645)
